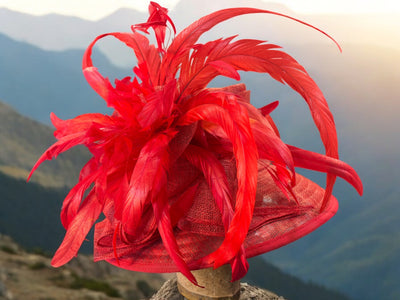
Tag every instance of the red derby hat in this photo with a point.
(187, 176)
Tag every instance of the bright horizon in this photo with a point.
(97, 9)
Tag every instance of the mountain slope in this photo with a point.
(269, 277)
(38, 82)
(22, 142)
(29, 276)
(30, 213)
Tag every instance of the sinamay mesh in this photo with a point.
(277, 221)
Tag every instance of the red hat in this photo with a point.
(190, 177)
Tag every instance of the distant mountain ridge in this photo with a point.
(38, 82)
(77, 33)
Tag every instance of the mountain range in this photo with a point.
(31, 78)
(57, 32)
(357, 252)
(26, 274)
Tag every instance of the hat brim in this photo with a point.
(277, 221)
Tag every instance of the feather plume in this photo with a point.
(149, 176)
(321, 163)
(158, 21)
(77, 231)
(163, 218)
(183, 42)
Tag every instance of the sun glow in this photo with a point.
(343, 6)
(96, 9)
(88, 9)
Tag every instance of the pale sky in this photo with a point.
(96, 9)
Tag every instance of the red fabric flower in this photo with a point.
(166, 122)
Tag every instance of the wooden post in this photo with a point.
(217, 285)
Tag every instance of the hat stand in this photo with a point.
(216, 284)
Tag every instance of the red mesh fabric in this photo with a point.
(276, 222)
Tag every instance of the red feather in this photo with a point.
(184, 41)
(217, 180)
(72, 201)
(149, 176)
(267, 109)
(161, 213)
(158, 21)
(77, 231)
(321, 163)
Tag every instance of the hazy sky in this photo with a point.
(95, 9)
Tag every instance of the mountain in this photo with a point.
(57, 32)
(365, 105)
(38, 82)
(23, 140)
(361, 89)
(361, 243)
(266, 275)
(29, 276)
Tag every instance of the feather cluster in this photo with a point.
(166, 114)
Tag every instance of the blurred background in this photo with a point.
(356, 255)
